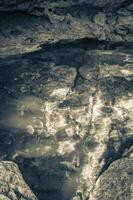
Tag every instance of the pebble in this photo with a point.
(30, 129)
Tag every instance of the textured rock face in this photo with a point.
(34, 23)
(12, 185)
(116, 182)
(67, 115)
(66, 100)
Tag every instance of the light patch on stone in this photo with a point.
(110, 70)
(125, 103)
(98, 104)
(50, 106)
(57, 122)
(101, 129)
(129, 58)
(126, 72)
(60, 121)
(66, 147)
(70, 131)
(131, 188)
(32, 48)
(3, 197)
(73, 130)
(82, 118)
(103, 52)
(61, 93)
(29, 103)
(54, 118)
(116, 70)
(44, 149)
(131, 156)
(26, 105)
(17, 122)
(119, 114)
(30, 129)
(93, 164)
(32, 151)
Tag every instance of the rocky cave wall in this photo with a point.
(66, 99)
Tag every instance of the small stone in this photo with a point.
(30, 129)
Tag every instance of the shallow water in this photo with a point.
(25, 89)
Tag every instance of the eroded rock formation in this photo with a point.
(67, 96)
(27, 24)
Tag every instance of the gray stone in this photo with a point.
(12, 184)
(116, 182)
(54, 21)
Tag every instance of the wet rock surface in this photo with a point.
(66, 115)
(66, 98)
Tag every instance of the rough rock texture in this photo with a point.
(66, 116)
(12, 184)
(66, 85)
(27, 24)
(116, 182)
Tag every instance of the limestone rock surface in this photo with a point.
(66, 116)
(12, 184)
(66, 99)
(116, 182)
(25, 25)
